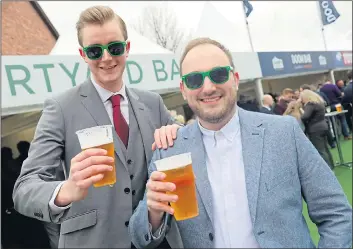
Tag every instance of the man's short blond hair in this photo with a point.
(202, 41)
(98, 15)
(287, 91)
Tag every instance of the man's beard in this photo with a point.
(214, 118)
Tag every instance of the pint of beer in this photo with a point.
(338, 107)
(178, 170)
(100, 137)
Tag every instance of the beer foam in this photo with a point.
(95, 136)
(173, 162)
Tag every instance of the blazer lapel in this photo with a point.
(198, 156)
(252, 137)
(94, 105)
(143, 121)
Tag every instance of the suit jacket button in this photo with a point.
(129, 161)
(126, 223)
(126, 190)
(131, 177)
(146, 237)
(210, 235)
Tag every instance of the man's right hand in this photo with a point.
(87, 168)
(158, 199)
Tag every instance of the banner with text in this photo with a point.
(342, 59)
(29, 80)
(282, 63)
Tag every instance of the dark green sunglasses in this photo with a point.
(95, 52)
(218, 75)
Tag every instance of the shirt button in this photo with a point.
(127, 190)
(133, 192)
(126, 223)
(210, 235)
(129, 161)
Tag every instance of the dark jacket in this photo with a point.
(314, 118)
(281, 106)
(348, 98)
(265, 110)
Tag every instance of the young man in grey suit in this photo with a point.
(93, 217)
(251, 172)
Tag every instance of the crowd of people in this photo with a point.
(17, 230)
(309, 104)
(251, 170)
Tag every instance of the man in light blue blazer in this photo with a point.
(252, 172)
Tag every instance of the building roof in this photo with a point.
(45, 19)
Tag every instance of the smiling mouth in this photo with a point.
(108, 68)
(211, 99)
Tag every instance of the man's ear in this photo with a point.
(182, 89)
(236, 77)
(83, 54)
(127, 48)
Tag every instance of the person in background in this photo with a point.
(252, 172)
(334, 95)
(340, 85)
(315, 124)
(180, 119)
(348, 91)
(347, 100)
(294, 109)
(296, 94)
(267, 104)
(94, 216)
(286, 97)
(173, 114)
(23, 148)
(305, 87)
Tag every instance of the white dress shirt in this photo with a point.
(105, 97)
(225, 167)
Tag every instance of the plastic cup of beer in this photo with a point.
(100, 137)
(178, 170)
(338, 107)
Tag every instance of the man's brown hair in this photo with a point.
(98, 15)
(202, 41)
(287, 91)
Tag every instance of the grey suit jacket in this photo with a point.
(100, 220)
(281, 168)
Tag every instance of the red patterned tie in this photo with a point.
(121, 127)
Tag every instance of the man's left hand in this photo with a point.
(164, 136)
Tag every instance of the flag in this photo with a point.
(329, 14)
(247, 7)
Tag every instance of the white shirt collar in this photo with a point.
(268, 108)
(229, 130)
(105, 94)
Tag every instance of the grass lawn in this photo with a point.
(344, 176)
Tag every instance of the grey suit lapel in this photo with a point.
(198, 155)
(252, 137)
(143, 121)
(94, 105)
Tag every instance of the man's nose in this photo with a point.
(106, 56)
(208, 85)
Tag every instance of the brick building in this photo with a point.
(26, 30)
